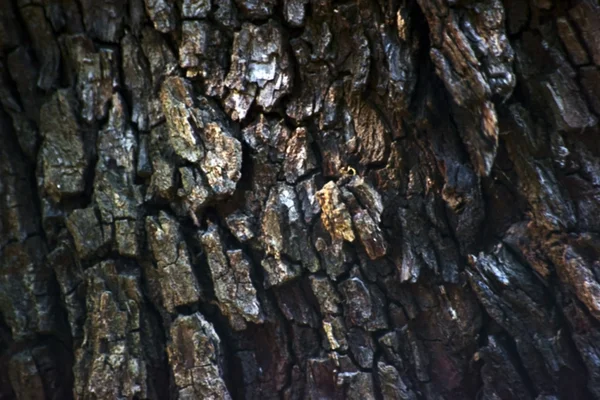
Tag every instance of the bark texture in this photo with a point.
(299, 199)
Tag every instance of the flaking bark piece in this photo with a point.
(91, 237)
(126, 238)
(356, 385)
(268, 135)
(514, 297)
(223, 161)
(335, 216)
(368, 197)
(306, 191)
(498, 362)
(96, 73)
(162, 14)
(256, 9)
(335, 333)
(369, 234)
(299, 158)
(241, 226)
(363, 303)
(294, 12)
(279, 271)
(327, 296)
(111, 362)
(361, 346)
(260, 69)
(161, 60)
(366, 221)
(578, 268)
(283, 231)
(199, 133)
(372, 134)
(195, 8)
(194, 191)
(104, 20)
(547, 74)
(473, 57)
(392, 383)
(570, 39)
(62, 154)
(551, 208)
(226, 14)
(417, 249)
(196, 359)
(178, 283)
(204, 52)
(162, 182)
(230, 272)
(146, 110)
(115, 191)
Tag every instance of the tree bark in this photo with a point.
(299, 199)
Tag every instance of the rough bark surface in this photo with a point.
(299, 199)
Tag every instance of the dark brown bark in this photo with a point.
(255, 199)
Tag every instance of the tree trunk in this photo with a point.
(299, 199)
